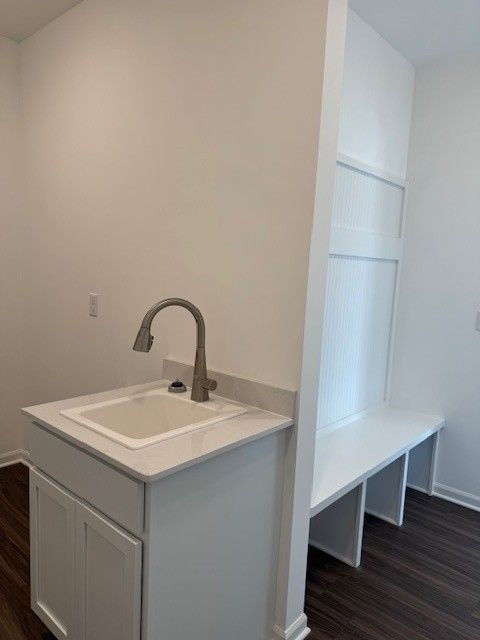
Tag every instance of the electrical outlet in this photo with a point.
(93, 304)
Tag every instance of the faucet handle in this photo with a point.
(209, 384)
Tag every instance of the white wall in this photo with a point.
(376, 101)
(301, 445)
(170, 151)
(437, 362)
(10, 254)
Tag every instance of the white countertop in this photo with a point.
(350, 454)
(167, 457)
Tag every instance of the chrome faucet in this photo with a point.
(201, 383)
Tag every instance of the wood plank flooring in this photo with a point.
(17, 620)
(420, 582)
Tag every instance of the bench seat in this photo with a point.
(375, 446)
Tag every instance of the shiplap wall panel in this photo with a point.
(367, 203)
(357, 326)
(365, 252)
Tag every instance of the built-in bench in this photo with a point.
(365, 466)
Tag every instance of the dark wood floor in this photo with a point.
(420, 582)
(17, 621)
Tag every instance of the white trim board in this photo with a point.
(371, 170)
(293, 547)
(363, 244)
(416, 488)
(298, 630)
(14, 457)
(393, 327)
(457, 496)
(343, 422)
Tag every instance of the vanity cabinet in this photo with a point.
(85, 570)
(191, 554)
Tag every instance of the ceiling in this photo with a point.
(421, 30)
(424, 30)
(20, 18)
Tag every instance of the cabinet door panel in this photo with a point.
(108, 579)
(52, 530)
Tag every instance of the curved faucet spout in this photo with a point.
(144, 340)
(175, 302)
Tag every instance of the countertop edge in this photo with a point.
(148, 479)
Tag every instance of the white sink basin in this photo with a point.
(143, 419)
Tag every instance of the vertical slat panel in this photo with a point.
(364, 202)
(360, 295)
(357, 327)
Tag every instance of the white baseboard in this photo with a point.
(296, 631)
(443, 491)
(14, 457)
(464, 499)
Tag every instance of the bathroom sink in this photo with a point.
(144, 419)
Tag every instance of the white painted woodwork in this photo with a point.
(378, 86)
(366, 247)
(12, 457)
(369, 455)
(422, 465)
(361, 244)
(370, 169)
(108, 571)
(338, 529)
(366, 202)
(385, 497)
(349, 455)
(52, 532)
(109, 490)
(463, 498)
(297, 630)
(357, 327)
(290, 619)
